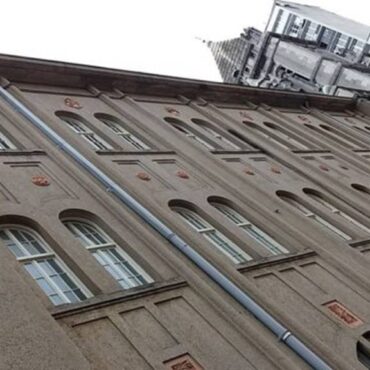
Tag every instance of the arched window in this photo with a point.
(129, 138)
(308, 212)
(5, 143)
(363, 354)
(43, 265)
(250, 229)
(215, 237)
(266, 134)
(363, 350)
(243, 139)
(76, 123)
(224, 142)
(341, 136)
(361, 188)
(115, 261)
(347, 218)
(182, 127)
(334, 135)
(281, 132)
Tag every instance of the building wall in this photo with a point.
(319, 290)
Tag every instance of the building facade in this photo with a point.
(303, 48)
(271, 188)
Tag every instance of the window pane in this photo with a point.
(13, 247)
(309, 213)
(121, 268)
(253, 231)
(227, 247)
(29, 243)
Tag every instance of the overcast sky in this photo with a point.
(157, 36)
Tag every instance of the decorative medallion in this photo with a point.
(304, 118)
(343, 314)
(249, 172)
(323, 167)
(182, 174)
(71, 103)
(275, 169)
(245, 115)
(173, 111)
(184, 362)
(143, 176)
(40, 181)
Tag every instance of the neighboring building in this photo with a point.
(304, 48)
(271, 188)
(331, 32)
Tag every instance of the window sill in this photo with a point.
(310, 151)
(134, 152)
(221, 151)
(274, 260)
(359, 243)
(20, 152)
(103, 300)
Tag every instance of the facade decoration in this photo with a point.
(143, 176)
(343, 314)
(40, 180)
(72, 103)
(182, 174)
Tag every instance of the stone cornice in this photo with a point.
(44, 72)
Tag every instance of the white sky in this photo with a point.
(156, 36)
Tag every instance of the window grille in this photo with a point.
(125, 135)
(114, 260)
(316, 218)
(347, 218)
(78, 127)
(252, 230)
(215, 237)
(49, 272)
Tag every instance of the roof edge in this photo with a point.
(17, 69)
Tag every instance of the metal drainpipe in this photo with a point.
(283, 334)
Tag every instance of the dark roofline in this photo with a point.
(45, 72)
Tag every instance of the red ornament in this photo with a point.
(303, 118)
(275, 169)
(323, 167)
(40, 181)
(71, 103)
(182, 174)
(246, 115)
(249, 172)
(143, 176)
(344, 314)
(172, 111)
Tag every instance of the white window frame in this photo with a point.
(36, 259)
(267, 136)
(286, 137)
(103, 254)
(82, 130)
(338, 137)
(218, 136)
(338, 212)
(251, 230)
(225, 245)
(192, 136)
(125, 135)
(5, 143)
(310, 214)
